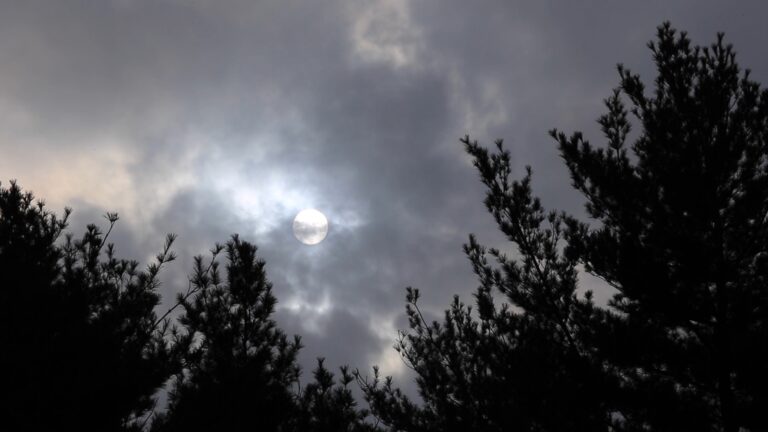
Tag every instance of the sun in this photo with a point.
(310, 226)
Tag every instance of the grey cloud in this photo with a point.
(210, 118)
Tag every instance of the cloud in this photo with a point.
(207, 118)
(383, 32)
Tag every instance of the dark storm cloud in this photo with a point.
(209, 118)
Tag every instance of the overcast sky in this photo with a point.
(207, 118)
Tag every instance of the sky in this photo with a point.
(207, 118)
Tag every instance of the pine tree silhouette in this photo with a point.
(240, 370)
(239, 367)
(81, 345)
(679, 229)
(682, 236)
(328, 405)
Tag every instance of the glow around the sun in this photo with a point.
(266, 204)
(310, 226)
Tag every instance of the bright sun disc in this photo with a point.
(310, 226)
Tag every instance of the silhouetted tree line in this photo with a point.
(679, 228)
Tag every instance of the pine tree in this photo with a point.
(682, 236)
(81, 346)
(239, 368)
(503, 368)
(678, 229)
(328, 405)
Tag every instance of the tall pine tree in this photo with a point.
(81, 347)
(679, 230)
(239, 367)
(682, 235)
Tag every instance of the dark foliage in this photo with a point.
(679, 229)
(327, 405)
(504, 368)
(682, 236)
(238, 366)
(240, 369)
(81, 346)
